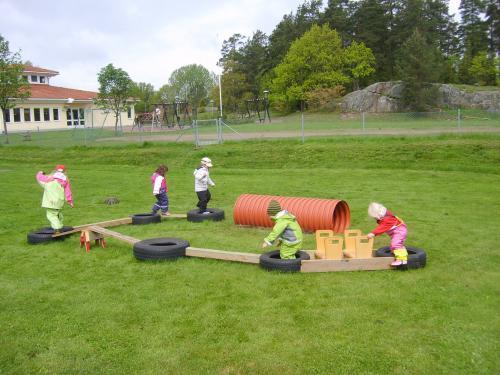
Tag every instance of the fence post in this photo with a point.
(363, 120)
(196, 141)
(458, 119)
(302, 119)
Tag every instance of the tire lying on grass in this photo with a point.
(45, 235)
(215, 214)
(160, 248)
(272, 261)
(141, 219)
(417, 258)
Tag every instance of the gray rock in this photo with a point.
(386, 97)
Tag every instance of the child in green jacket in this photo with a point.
(57, 189)
(286, 230)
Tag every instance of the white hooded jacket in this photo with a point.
(202, 179)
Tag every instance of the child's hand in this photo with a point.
(370, 235)
(264, 244)
(71, 204)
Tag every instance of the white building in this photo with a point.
(52, 107)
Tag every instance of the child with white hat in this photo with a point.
(57, 189)
(394, 227)
(201, 182)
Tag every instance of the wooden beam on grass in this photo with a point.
(333, 265)
(109, 233)
(223, 255)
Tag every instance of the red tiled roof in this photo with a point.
(41, 91)
(36, 69)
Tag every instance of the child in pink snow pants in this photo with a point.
(394, 227)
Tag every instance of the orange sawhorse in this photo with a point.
(88, 235)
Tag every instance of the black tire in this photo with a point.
(417, 258)
(272, 261)
(160, 248)
(45, 235)
(215, 214)
(141, 219)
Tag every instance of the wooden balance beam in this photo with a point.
(112, 223)
(223, 255)
(335, 265)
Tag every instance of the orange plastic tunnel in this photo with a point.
(312, 213)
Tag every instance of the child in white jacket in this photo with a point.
(201, 181)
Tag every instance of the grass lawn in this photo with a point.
(64, 311)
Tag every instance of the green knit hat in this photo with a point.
(273, 208)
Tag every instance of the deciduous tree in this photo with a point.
(115, 89)
(12, 85)
(318, 60)
(192, 83)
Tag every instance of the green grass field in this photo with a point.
(64, 311)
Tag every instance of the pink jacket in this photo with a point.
(61, 178)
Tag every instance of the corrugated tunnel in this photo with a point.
(312, 213)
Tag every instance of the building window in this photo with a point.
(27, 114)
(129, 112)
(46, 114)
(37, 114)
(55, 114)
(17, 114)
(75, 117)
(42, 79)
(6, 115)
(34, 78)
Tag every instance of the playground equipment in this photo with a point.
(256, 106)
(352, 252)
(312, 213)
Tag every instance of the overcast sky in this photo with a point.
(149, 39)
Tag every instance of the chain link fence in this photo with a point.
(299, 126)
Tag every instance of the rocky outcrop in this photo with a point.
(452, 97)
(386, 97)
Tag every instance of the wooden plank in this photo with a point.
(110, 233)
(223, 255)
(331, 265)
(175, 216)
(108, 223)
(102, 224)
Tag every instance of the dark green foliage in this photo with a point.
(418, 67)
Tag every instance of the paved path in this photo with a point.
(229, 135)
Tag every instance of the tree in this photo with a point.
(192, 83)
(316, 61)
(416, 67)
(493, 23)
(145, 92)
(473, 34)
(290, 28)
(115, 88)
(338, 15)
(483, 69)
(12, 85)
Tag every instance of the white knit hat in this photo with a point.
(207, 162)
(376, 210)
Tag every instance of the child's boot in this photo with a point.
(401, 258)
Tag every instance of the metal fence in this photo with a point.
(299, 126)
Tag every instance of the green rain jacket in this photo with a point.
(53, 195)
(286, 229)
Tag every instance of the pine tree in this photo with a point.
(416, 67)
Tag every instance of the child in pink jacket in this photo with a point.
(57, 189)
(160, 190)
(394, 227)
